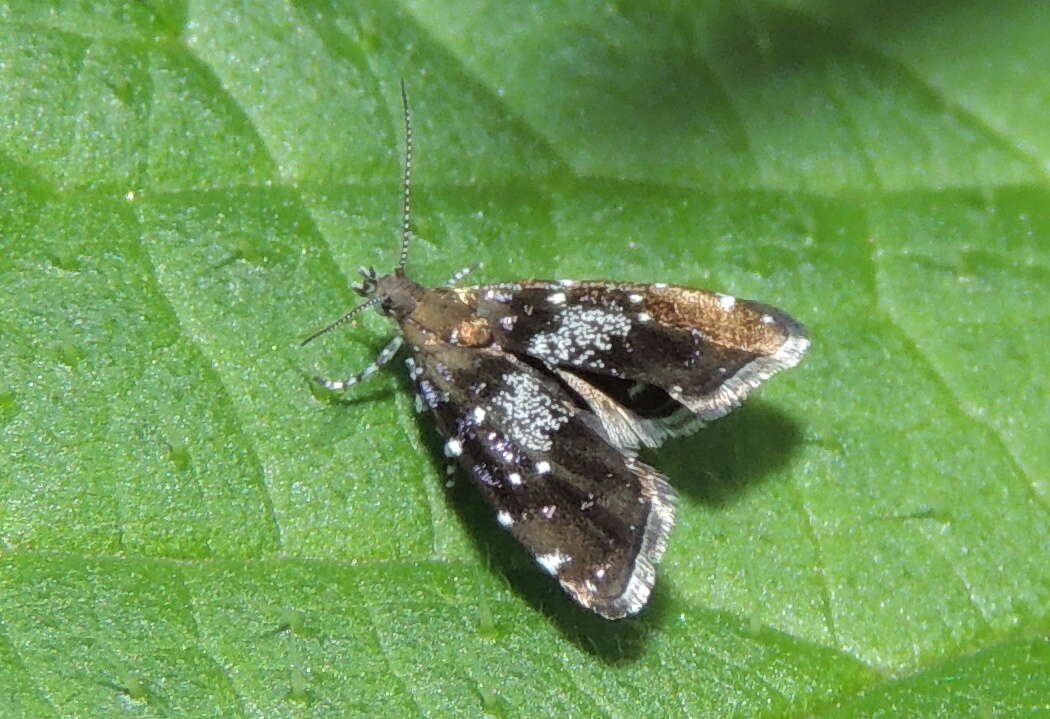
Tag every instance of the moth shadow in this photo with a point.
(725, 459)
(349, 400)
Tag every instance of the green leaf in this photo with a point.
(189, 528)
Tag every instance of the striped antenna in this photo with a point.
(372, 301)
(406, 182)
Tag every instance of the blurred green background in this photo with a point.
(187, 528)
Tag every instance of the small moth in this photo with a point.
(545, 391)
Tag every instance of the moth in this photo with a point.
(545, 391)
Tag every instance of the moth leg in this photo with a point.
(384, 356)
(460, 274)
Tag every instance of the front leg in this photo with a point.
(384, 356)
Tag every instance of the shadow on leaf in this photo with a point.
(719, 463)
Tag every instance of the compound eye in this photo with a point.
(386, 306)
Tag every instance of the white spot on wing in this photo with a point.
(553, 562)
(726, 302)
(531, 414)
(548, 511)
(504, 518)
(478, 415)
(498, 296)
(514, 478)
(453, 448)
(543, 467)
(558, 298)
(580, 333)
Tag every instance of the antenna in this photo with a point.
(372, 301)
(406, 182)
(406, 227)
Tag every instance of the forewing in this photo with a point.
(593, 516)
(652, 349)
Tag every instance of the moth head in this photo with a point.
(395, 295)
(368, 287)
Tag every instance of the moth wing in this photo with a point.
(669, 357)
(593, 516)
(628, 421)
